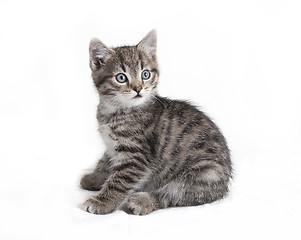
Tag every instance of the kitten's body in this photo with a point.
(160, 152)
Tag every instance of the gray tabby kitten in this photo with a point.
(160, 152)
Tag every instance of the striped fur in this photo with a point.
(160, 152)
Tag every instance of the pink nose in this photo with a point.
(137, 88)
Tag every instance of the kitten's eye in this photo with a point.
(121, 78)
(145, 75)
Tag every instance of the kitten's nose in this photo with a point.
(137, 88)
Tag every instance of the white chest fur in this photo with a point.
(108, 138)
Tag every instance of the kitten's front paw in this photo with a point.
(141, 203)
(96, 206)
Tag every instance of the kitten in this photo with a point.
(160, 152)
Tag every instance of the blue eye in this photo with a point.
(121, 78)
(145, 75)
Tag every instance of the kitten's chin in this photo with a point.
(135, 101)
(111, 105)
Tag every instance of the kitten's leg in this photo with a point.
(196, 188)
(141, 203)
(175, 195)
(121, 183)
(95, 180)
(205, 182)
(179, 194)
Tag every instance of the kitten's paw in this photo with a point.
(141, 203)
(90, 182)
(96, 206)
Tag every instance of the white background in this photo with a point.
(238, 60)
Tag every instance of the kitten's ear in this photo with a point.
(149, 44)
(98, 54)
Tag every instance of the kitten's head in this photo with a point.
(125, 77)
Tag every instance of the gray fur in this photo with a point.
(160, 152)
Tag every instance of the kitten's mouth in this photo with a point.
(137, 96)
